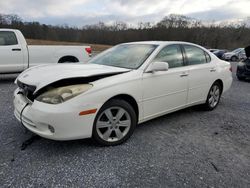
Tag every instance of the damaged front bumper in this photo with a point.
(56, 122)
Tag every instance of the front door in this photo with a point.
(166, 91)
(11, 55)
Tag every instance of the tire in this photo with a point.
(108, 130)
(213, 97)
(234, 58)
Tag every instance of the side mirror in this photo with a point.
(157, 66)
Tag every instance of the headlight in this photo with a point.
(62, 94)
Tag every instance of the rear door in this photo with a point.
(201, 73)
(11, 55)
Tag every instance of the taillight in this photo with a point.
(88, 50)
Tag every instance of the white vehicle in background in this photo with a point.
(235, 55)
(128, 84)
(16, 55)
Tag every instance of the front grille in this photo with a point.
(27, 90)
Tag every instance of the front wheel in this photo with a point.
(114, 123)
(213, 97)
(234, 58)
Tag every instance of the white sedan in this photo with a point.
(128, 84)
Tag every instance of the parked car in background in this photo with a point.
(213, 50)
(128, 84)
(220, 53)
(243, 67)
(235, 55)
(16, 55)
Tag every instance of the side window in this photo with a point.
(172, 55)
(195, 55)
(208, 58)
(7, 38)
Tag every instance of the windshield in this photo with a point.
(130, 56)
(237, 50)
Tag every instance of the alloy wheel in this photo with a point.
(113, 124)
(214, 96)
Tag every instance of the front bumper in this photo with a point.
(56, 122)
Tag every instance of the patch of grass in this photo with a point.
(95, 47)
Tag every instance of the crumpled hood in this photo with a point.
(41, 76)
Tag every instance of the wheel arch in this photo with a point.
(234, 56)
(129, 99)
(68, 58)
(220, 83)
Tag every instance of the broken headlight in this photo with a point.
(62, 94)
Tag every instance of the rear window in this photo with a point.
(195, 55)
(7, 38)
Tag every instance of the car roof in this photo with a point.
(164, 43)
(6, 29)
(159, 42)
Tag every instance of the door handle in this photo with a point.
(16, 49)
(212, 69)
(184, 74)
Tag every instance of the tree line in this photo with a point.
(172, 27)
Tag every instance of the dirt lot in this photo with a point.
(189, 148)
(95, 47)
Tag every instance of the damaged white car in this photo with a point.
(128, 84)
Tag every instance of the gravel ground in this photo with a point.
(189, 148)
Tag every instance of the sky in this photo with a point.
(85, 12)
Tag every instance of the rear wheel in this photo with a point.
(114, 123)
(213, 97)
